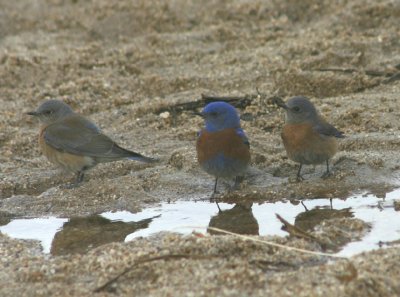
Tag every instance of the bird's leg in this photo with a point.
(77, 182)
(212, 197)
(238, 181)
(215, 186)
(298, 176)
(219, 209)
(79, 176)
(327, 173)
(305, 207)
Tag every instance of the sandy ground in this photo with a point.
(123, 64)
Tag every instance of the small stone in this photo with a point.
(165, 115)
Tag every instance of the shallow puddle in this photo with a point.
(79, 234)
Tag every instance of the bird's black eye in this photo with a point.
(47, 112)
(296, 109)
(213, 114)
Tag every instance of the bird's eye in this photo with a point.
(213, 114)
(296, 109)
(48, 112)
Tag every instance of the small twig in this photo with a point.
(295, 231)
(211, 98)
(389, 243)
(276, 101)
(148, 260)
(377, 73)
(271, 265)
(245, 237)
(393, 78)
(237, 101)
(344, 70)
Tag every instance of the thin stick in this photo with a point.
(142, 261)
(345, 70)
(244, 237)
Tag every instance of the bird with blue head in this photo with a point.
(223, 149)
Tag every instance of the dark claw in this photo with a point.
(238, 182)
(70, 186)
(326, 175)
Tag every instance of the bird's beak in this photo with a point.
(278, 101)
(32, 113)
(200, 114)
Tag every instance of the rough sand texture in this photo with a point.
(121, 62)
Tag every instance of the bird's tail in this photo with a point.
(138, 157)
(127, 154)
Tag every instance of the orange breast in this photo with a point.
(227, 142)
(67, 161)
(304, 145)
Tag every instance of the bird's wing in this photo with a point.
(78, 135)
(327, 129)
(242, 135)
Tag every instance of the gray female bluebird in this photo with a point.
(74, 143)
(307, 137)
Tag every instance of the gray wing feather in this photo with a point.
(328, 130)
(80, 136)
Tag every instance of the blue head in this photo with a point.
(220, 115)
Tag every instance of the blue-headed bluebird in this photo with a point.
(223, 149)
(307, 137)
(73, 142)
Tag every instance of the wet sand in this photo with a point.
(124, 64)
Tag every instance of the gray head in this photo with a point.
(299, 110)
(51, 111)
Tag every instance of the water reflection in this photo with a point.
(308, 219)
(81, 234)
(77, 235)
(239, 219)
(5, 218)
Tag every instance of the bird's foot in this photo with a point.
(326, 174)
(232, 188)
(70, 186)
(295, 179)
(238, 183)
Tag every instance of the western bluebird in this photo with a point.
(74, 143)
(223, 149)
(307, 137)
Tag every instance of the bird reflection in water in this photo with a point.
(80, 234)
(239, 219)
(5, 218)
(308, 219)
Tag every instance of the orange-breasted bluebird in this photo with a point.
(73, 142)
(307, 137)
(223, 149)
